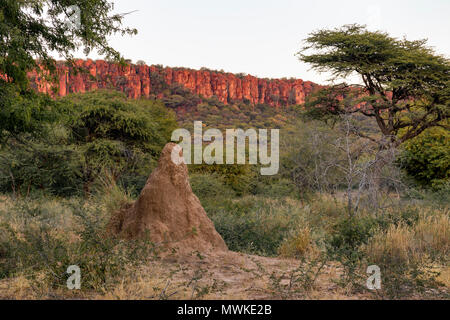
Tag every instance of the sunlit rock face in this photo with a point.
(141, 81)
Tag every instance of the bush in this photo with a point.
(350, 233)
(209, 186)
(255, 225)
(143, 124)
(39, 240)
(57, 168)
(279, 188)
(405, 242)
(236, 177)
(403, 255)
(97, 132)
(426, 158)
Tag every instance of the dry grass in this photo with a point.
(444, 276)
(300, 245)
(396, 245)
(433, 234)
(402, 243)
(230, 276)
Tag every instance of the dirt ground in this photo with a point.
(226, 276)
(223, 276)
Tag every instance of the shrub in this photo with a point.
(98, 115)
(209, 186)
(426, 158)
(236, 177)
(39, 240)
(343, 245)
(38, 165)
(405, 266)
(273, 187)
(255, 225)
(97, 132)
(350, 233)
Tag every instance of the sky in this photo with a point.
(261, 37)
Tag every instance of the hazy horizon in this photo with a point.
(261, 37)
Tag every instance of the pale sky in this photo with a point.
(261, 37)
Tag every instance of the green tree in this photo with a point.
(31, 31)
(117, 134)
(405, 85)
(96, 133)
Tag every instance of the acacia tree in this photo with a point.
(405, 85)
(31, 32)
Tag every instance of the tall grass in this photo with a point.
(408, 255)
(40, 238)
(255, 224)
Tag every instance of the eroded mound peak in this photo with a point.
(169, 211)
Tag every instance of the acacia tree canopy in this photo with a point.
(405, 84)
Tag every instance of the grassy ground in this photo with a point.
(283, 248)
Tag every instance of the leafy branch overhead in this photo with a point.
(404, 85)
(32, 32)
(35, 29)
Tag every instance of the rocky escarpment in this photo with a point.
(143, 81)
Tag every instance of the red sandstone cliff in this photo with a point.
(136, 81)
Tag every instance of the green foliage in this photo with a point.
(23, 110)
(215, 114)
(30, 33)
(56, 168)
(405, 83)
(207, 186)
(41, 242)
(426, 158)
(111, 116)
(117, 134)
(276, 188)
(99, 132)
(177, 96)
(26, 35)
(237, 177)
(349, 234)
(253, 224)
